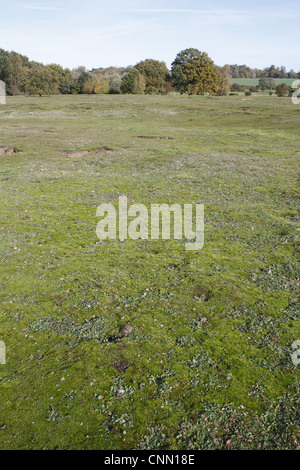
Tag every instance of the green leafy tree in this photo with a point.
(292, 74)
(133, 83)
(265, 83)
(13, 72)
(69, 87)
(226, 80)
(45, 80)
(193, 72)
(60, 77)
(178, 68)
(156, 75)
(283, 72)
(3, 55)
(37, 81)
(114, 81)
(84, 81)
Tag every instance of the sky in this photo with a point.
(120, 33)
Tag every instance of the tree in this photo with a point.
(178, 68)
(156, 75)
(265, 83)
(133, 83)
(38, 80)
(282, 90)
(87, 88)
(84, 81)
(271, 71)
(60, 76)
(226, 80)
(77, 71)
(42, 79)
(283, 72)
(114, 81)
(3, 55)
(292, 74)
(13, 72)
(101, 86)
(69, 87)
(257, 73)
(193, 72)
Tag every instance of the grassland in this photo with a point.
(208, 362)
(255, 81)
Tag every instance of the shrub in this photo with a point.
(236, 87)
(282, 90)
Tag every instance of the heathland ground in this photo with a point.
(207, 362)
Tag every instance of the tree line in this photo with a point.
(192, 72)
(243, 71)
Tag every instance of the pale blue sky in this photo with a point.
(101, 33)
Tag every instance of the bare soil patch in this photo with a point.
(156, 137)
(83, 153)
(4, 150)
(81, 108)
(75, 153)
(120, 365)
(288, 120)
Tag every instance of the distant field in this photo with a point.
(254, 81)
(208, 363)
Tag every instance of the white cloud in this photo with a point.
(41, 7)
(184, 10)
(275, 13)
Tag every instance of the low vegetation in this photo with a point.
(125, 344)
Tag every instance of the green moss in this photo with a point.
(211, 329)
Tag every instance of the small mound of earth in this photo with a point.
(125, 331)
(120, 365)
(157, 137)
(8, 150)
(101, 149)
